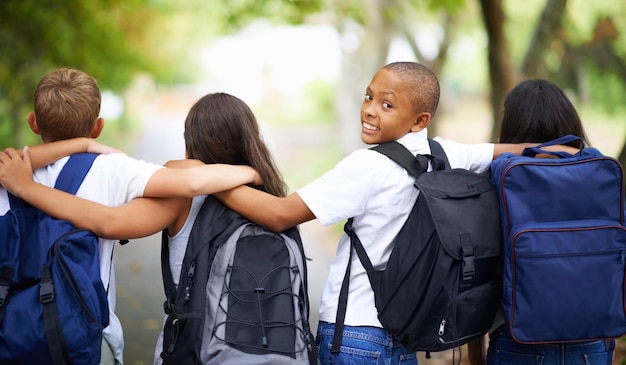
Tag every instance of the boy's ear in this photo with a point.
(97, 128)
(31, 119)
(422, 121)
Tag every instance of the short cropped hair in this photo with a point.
(422, 82)
(67, 104)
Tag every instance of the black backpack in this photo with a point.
(242, 297)
(441, 286)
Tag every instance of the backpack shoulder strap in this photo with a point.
(415, 165)
(437, 151)
(69, 179)
(168, 279)
(210, 222)
(74, 172)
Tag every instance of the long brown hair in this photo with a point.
(221, 128)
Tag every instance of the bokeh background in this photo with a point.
(302, 66)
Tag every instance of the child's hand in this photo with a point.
(16, 172)
(96, 147)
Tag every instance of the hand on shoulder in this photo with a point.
(15, 171)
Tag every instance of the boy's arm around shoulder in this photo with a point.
(139, 218)
(518, 148)
(272, 212)
(47, 153)
(189, 178)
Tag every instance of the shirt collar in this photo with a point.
(416, 142)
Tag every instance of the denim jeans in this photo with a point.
(362, 346)
(504, 350)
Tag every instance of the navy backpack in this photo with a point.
(53, 306)
(564, 244)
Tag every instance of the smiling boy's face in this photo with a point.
(387, 112)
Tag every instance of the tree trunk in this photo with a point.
(500, 71)
(358, 66)
(545, 33)
(435, 65)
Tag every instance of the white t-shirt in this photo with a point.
(379, 194)
(112, 180)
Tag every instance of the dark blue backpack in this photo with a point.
(53, 306)
(564, 244)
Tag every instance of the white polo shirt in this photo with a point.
(113, 180)
(379, 194)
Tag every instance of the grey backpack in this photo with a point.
(242, 296)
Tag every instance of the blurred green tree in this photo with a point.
(576, 43)
(580, 45)
(111, 40)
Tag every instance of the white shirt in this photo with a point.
(379, 194)
(112, 180)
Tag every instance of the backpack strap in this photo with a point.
(418, 164)
(69, 180)
(74, 172)
(355, 244)
(343, 297)
(52, 325)
(415, 165)
(437, 151)
(166, 272)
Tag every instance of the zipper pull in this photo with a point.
(442, 327)
(174, 329)
(190, 277)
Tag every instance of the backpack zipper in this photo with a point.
(190, 278)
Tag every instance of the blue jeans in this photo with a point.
(362, 345)
(504, 350)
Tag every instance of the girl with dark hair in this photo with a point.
(539, 111)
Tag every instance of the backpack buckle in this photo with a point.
(4, 292)
(467, 251)
(468, 269)
(46, 292)
(5, 284)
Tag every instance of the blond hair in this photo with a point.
(67, 104)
